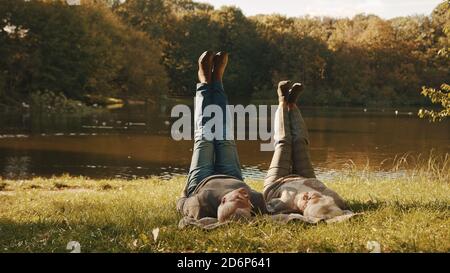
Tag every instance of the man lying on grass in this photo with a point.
(290, 185)
(215, 187)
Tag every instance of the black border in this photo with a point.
(279, 262)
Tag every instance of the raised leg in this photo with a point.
(301, 158)
(280, 165)
(227, 159)
(202, 163)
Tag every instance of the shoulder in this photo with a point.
(180, 203)
(197, 206)
(314, 183)
(189, 206)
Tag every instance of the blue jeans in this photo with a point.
(211, 155)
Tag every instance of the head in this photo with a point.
(315, 204)
(235, 205)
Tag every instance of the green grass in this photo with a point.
(407, 214)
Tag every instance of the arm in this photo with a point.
(276, 206)
(193, 207)
(320, 187)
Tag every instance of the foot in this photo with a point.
(205, 63)
(283, 91)
(294, 93)
(220, 63)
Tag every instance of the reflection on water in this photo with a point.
(17, 167)
(135, 142)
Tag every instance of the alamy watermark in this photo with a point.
(214, 122)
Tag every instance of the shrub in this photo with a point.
(57, 103)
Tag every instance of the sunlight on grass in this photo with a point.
(406, 214)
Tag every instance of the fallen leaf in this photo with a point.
(373, 247)
(155, 233)
(74, 246)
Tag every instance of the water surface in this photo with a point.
(135, 142)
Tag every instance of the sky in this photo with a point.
(335, 8)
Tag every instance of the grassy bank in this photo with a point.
(407, 214)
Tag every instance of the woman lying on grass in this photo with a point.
(290, 185)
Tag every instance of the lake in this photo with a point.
(135, 142)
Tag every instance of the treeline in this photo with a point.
(143, 48)
(74, 50)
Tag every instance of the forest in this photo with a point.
(148, 49)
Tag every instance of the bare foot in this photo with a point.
(294, 93)
(283, 91)
(205, 63)
(220, 63)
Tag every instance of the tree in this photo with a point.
(441, 17)
(152, 17)
(238, 36)
(141, 75)
(74, 50)
(437, 96)
(140, 48)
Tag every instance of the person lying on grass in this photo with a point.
(215, 187)
(290, 185)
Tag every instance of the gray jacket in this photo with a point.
(296, 184)
(206, 198)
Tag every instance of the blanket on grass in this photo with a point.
(212, 223)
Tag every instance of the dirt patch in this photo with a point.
(3, 186)
(106, 187)
(61, 186)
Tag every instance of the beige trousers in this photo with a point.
(291, 155)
